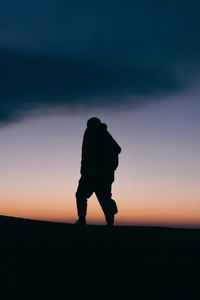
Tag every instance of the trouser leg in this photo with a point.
(104, 195)
(83, 192)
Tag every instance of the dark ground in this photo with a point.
(43, 260)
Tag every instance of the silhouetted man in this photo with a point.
(98, 164)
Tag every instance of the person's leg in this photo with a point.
(84, 191)
(103, 192)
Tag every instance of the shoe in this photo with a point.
(110, 220)
(81, 222)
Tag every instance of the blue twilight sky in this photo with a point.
(78, 53)
(136, 65)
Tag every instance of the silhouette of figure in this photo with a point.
(98, 164)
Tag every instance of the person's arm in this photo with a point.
(115, 146)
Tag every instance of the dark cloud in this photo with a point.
(87, 52)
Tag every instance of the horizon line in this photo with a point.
(118, 224)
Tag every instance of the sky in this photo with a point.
(133, 64)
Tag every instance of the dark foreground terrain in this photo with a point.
(43, 260)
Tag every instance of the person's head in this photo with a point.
(93, 122)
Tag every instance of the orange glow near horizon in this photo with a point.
(63, 210)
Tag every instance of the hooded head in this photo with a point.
(93, 122)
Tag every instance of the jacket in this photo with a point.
(99, 151)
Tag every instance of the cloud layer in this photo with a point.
(54, 53)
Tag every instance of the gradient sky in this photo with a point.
(133, 64)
